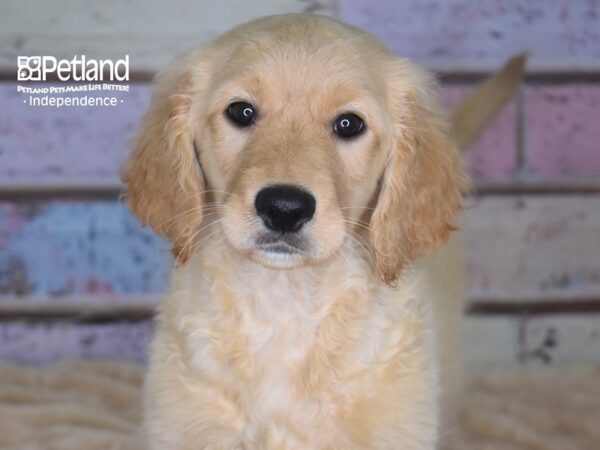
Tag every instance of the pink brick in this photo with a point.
(562, 130)
(493, 155)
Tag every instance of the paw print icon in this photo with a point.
(29, 68)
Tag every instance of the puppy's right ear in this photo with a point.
(164, 184)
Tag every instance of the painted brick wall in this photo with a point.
(45, 342)
(66, 248)
(494, 154)
(561, 131)
(455, 35)
(38, 143)
(531, 234)
(449, 35)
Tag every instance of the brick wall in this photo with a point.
(68, 245)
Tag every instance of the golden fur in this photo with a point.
(352, 344)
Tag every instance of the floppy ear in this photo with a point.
(164, 185)
(422, 183)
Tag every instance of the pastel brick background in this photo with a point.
(151, 31)
(562, 129)
(69, 248)
(463, 34)
(43, 143)
(532, 246)
(39, 342)
(494, 153)
(454, 35)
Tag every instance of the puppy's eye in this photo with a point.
(348, 125)
(241, 113)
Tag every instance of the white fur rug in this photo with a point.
(89, 405)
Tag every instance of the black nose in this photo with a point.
(284, 208)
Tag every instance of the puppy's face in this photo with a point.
(291, 146)
(295, 134)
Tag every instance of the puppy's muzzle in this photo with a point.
(284, 208)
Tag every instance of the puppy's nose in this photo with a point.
(284, 208)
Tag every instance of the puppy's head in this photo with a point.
(297, 134)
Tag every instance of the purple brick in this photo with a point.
(45, 342)
(562, 130)
(462, 34)
(44, 143)
(493, 154)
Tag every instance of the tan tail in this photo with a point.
(478, 109)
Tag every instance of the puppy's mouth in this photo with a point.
(280, 244)
(280, 251)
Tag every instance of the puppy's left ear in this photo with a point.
(422, 184)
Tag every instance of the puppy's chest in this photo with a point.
(300, 352)
(280, 353)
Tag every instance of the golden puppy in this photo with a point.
(305, 177)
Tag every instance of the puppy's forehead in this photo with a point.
(301, 36)
(309, 56)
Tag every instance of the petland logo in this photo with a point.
(39, 68)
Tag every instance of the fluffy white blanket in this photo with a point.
(93, 405)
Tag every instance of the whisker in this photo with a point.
(208, 237)
(361, 246)
(189, 212)
(216, 222)
(357, 207)
(176, 216)
(217, 242)
(202, 208)
(216, 190)
(194, 236)
(358, 223)
(206, 191)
